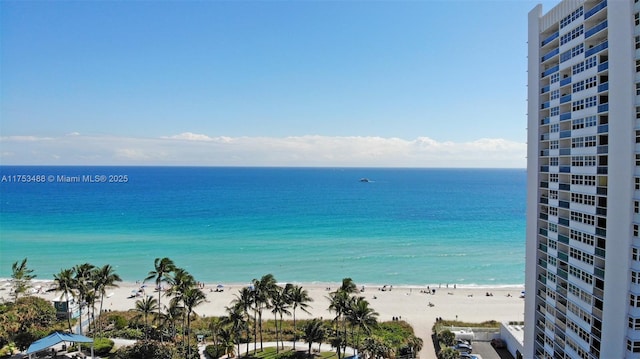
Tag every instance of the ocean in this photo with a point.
(303, 225)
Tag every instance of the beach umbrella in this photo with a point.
(219, 286)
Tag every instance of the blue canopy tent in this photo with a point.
(55, 338)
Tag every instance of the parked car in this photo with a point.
(462, 348)
(470, 356)
(498, 343)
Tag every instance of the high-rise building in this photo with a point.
(583, 191)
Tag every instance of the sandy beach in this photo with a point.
(470, 304)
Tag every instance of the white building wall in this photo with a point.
(620, 176)
(533, 181)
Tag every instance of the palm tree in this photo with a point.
(215, 326)
(314, 331)
(263, 289)
(348, 286)
(145, 307)
(174, 312)
(21, 277)
(161, 273)
(104, 277)
(362, 317)
(297, 297)
(65, 283)
(244, 300)
(180, 283)
(83, 273)
(192, 298)
(415, 344)
(339, 303)
(279, 306)
(226, 341)
(236, 319)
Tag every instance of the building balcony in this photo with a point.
(594, 30)
(544, 169)
(565, 116)
(563, 221)
(551, 70)
(565, 134)
(545, 105)
(550, 54)
(603, 87)
(603, 66)
(563, 239)
(563, 204)
(550, 38)
(564, 187)
(594, 10)
(603, 170)
(565, 99)
(545, 120)
(594, 50)
(603, 128)
(565, 151)
(603, 108)
(603, 150)
(565, 169)
(545, 89)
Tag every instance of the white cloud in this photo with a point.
(201, 150)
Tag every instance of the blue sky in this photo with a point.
(317, 83)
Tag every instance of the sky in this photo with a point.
(264, 83)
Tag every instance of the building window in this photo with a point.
(634, 323)
(636, 18)
(589, 141)
(636, 207)
(637, 42)
(577, 87)
(553, 161)
(555, 94)
(637, 179)
(635, 277)
(554, 144)
(553, 228)
(577, 124)
(637, 65)
(637, 156)
(633, 346)
(555, 77)
(637, 88)
(577, 105)
(553, 194)
(555, 111)
(635, 254)
(577, 68)
(571, 35)
(590, 121)
(577, 142)
(635, 230)
(553, 211)
(553, 177)
(590, 82)
(569, 18)
(590, 62)
(637, 137)
(591, 101)
(555, 127)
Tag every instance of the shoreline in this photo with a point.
(409, 303)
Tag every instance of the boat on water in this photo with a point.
(364, 180)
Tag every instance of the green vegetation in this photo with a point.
(168, 326)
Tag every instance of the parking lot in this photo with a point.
(485, 350)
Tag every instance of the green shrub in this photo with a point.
(119, 322)
(214, 351)
(447, 337)
(102, 346)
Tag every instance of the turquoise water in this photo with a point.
(404, 227)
